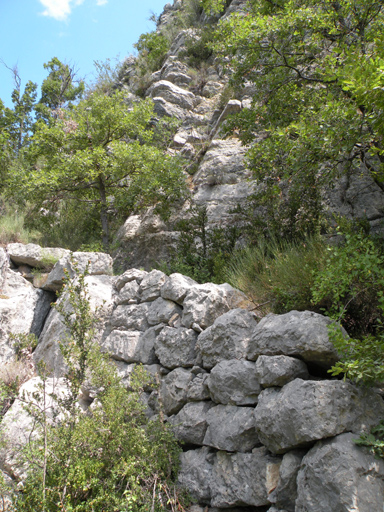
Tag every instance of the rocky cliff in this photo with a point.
(261, 422)
(199, 97)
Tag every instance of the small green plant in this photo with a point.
(12, 226)
(374, 441)
(152, 48)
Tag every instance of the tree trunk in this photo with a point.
(104, 213)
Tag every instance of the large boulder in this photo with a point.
(100, 291)
(23, 309)
(231, 428)
(172, 93)
(234, 382)
(196, 473)
(279, 370)
(176, 347)
(243, 479)
(337, 475)
(204, 303)
(34, 255)
(190, 424)
(306, 411)
(302, 334)
(227, 338)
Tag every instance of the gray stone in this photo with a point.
(243, 479)
(302, 334)
(128, 294)
(337, 475)
(172, 93)
(131, 317)
(279, 370)
(227, 338)
(34, 255)
(23, 309)
(176, 287)
(122, 345)
(190, 424)
(124, 371)
(211, 88)
(305, 411)
(176, 347)
(96, 263)
(151, 284)
(100, 291)
(128, 276)
(19, 427)
(234, 382)
(167, 109)
(162, 310)
(285, 494)
(195, 474)
(204, 303)
(231, 428)
(173, 390)
(198, 388)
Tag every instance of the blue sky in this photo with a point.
(76, 31)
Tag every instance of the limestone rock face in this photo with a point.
(227, 338)
(176, 347)
(172, 93)
(190, 424)
(279, 370)
(234, 382)
(337, 475)
(23, 309)
(204, 303)
(174, 390)
(196, 473)
(176, 287)
(231, 428)
(290, 418)
(303, 334)
(243, 479)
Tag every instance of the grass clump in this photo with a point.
(13, 229)
(278, 275)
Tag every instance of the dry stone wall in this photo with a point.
(261, 423)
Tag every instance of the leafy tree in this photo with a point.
(99, 153)
(317, 110)
(59, 89)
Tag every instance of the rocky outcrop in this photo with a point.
(259, 429)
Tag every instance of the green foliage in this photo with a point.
(99, 154)
(350, 284)
(152, 48)
(110, 458)
(201, 253)
(13, 226)
(317, 110)
(198, 49)
(277, 275)
(374, 441)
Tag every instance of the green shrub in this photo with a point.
(109, 458)
(13, 228)
(277, 275)
(198, 50)
(153, 48)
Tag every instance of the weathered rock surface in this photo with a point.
(172, 93)
(337, 475)
(190, 424)
(176, 287)
(227, 338)
(243, 479)
(230, 428)
(131, 317)
(302, 334)
(285, 494)
(279, 370)
(34, 255)
(196, 473)
(305, 411)
(204, 303)
(151, 284)
(234, 382)
(176, 347)
(161, 311)
(174, 390)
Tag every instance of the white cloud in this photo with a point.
(101, 2)
(59, 9)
